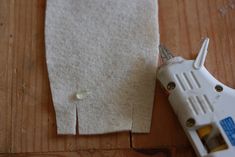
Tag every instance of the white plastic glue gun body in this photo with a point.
(204, 106)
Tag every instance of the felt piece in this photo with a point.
(101, 59)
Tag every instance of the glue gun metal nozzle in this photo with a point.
(165, 53)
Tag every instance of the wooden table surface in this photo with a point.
(27, 120)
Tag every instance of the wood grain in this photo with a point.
(183, 24)
(86, 153)
(175, 152)
(5, 79)
(27, 116)
(183, 152)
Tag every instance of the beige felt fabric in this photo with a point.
(107, 48)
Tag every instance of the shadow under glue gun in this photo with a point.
(204, 106)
